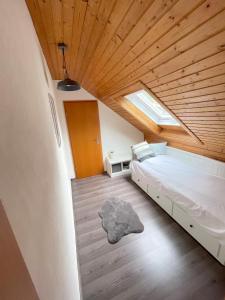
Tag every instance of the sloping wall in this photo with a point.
(116, 133)
(34, 186)
(174, 47)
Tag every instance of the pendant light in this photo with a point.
(67, 84)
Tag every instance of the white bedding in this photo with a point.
(200, 194)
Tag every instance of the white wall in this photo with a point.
(116, 133)
(34, 185)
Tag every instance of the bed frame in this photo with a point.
(209, 242)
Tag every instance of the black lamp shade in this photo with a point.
(68, 85)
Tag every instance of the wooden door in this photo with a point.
(84, 131)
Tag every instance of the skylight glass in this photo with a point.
(149, 106)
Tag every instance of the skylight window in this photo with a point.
(149, 106)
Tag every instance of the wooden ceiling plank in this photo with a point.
(197, 53)
(170, 47)
(215, 145)
(49, 25)
(196, 93)
(196, 138)
(215, 132)
(156, 39)
(193, 113)
(205, 98)
(213, 81)
(136, 13)
(145, 25)
(105, 9)
(205, 49)
(204, 64)
(89, 21)
(68, 11)
(191, 79)
(203, 118)
(205, 123)
(212, 150)
(80, 8)
(187, 139)
(219, 134)
(35, 12)
(120, 11)
(175, 23)
(127, 90)
(216, 142)
(210, 153)
(200, 104)
(210, 134)
(132, 17)
(217, 108)
(57, 23)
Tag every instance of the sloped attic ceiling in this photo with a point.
(173, 48)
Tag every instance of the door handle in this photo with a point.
(96, 141)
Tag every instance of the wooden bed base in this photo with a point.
(209, 242)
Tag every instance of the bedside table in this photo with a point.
(120, 165)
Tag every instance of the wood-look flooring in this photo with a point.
(163, 262)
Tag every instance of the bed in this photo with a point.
(191, 189)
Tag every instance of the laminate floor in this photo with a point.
(163, 262)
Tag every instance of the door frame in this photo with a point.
(73, 160)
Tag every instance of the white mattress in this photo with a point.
(200, 194)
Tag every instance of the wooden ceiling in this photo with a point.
(174, 48)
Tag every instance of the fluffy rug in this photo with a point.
(119, 219)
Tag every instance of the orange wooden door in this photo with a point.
(84, 131)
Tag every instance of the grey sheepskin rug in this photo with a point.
(119, 219)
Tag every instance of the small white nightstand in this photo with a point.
(119, 165)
